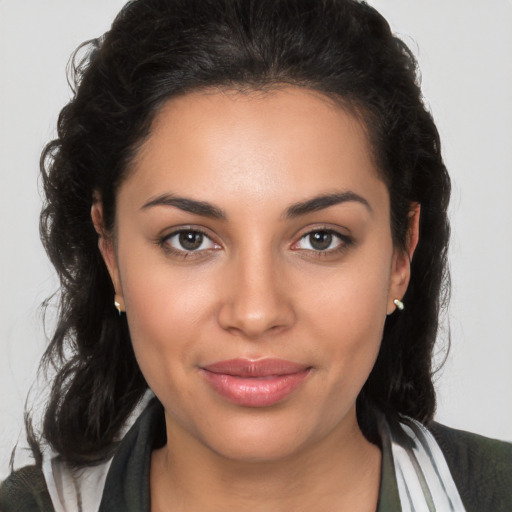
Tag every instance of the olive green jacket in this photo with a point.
(481, 469)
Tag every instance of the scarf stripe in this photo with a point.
(423, 478)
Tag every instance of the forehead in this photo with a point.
(259, 147)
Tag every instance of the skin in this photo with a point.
(257, 288)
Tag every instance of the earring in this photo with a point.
(117, 305)
(399, 304)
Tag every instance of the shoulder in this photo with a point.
(25, 491)
(481, 468)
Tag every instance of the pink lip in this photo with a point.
(258, 383)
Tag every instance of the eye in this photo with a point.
(322, 240)
(189, 240)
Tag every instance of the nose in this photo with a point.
(256, 299)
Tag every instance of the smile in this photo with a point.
(259, 383)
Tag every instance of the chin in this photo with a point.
(259, 450)
(260, 439)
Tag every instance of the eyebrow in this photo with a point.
(325, 201)
(188, 205)
(206, 209)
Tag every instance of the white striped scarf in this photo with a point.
(423, 478)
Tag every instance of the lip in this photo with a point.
(255, 383)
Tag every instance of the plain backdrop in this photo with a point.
(464, 50)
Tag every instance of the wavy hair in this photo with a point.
(158, 49)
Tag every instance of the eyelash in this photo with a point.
(164, 243)
(344, 243)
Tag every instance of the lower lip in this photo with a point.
(255, 391)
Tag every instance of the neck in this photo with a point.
(339, 472)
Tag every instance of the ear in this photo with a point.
(106, 247)
(401, 264)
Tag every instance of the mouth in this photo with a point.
(259, 383)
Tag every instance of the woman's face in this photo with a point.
(254, 259)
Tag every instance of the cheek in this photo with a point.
(348, 312)
(159, 295)
(352, 298)
(165, 309)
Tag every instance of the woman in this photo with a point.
(246, 206)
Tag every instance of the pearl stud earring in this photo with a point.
(399, 304)
(118, 307)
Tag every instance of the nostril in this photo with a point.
(255, 298)
(253, 322)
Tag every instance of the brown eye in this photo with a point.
(320, 240)
(190, 240)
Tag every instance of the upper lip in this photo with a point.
(256, 368)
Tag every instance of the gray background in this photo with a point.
(464, 50)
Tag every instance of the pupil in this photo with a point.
(191, 240)
(320, 240)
